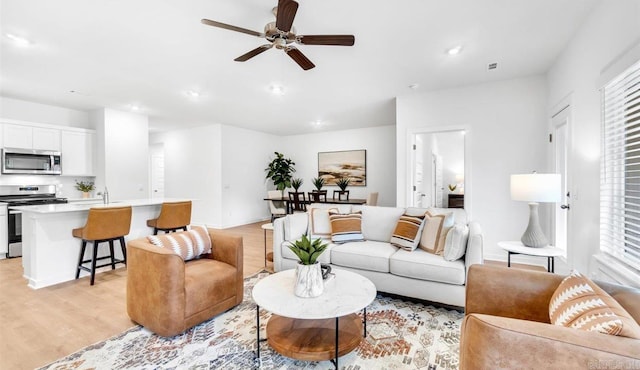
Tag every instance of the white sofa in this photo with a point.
(417, 273)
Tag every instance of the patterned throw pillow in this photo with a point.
(346, 228)
(187, 244)
(580, 304)
(435, 231)
(407, 232)
(455, 244)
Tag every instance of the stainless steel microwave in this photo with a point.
(33, 162)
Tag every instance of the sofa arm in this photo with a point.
(510, 292)
(155, 286)
(475, 246)
(227, 248)
(491, 342)
(278, 239)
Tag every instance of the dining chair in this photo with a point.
(372, 199)
(297, 201)
(277, 207)
(318, 196)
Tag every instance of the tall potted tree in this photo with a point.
(280, 170)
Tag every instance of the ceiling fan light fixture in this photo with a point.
(454, 50)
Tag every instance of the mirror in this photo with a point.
(438, 169)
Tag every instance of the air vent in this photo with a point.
(492, 66)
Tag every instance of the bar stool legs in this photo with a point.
(94, 257)
(155, 230)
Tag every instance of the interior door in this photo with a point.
(438, 187)
(561, 146)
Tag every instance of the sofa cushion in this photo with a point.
(407, 232)
(366, 255)
(319, 224)
(378, 222)
(342, 208)
(187, 244)
(580, 304)
(345, 228)
(435, 231)
(423, 265)
(455, 244)
(295, 226)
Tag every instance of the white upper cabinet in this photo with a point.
(77, 153)
(28, 137)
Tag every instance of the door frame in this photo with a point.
(410, 158)
(560, 113)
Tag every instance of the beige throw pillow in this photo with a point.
(319, 224)
(455, 244)
(435, 231)
(407, 232)
(581, 304)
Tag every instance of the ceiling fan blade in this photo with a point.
(342, 40)
(286, 13)
(299, 58)
(209, 22)
(253, 53)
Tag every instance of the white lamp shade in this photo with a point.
(536, 187)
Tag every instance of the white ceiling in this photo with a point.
(115, 53)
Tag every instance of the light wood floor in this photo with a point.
(40, 326)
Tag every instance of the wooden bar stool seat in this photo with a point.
(103, 225)
(173, 216)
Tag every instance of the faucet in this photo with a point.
(105, 196)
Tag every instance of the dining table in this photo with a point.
(287, 201)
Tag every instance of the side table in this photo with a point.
(516, 247)
(266, 227)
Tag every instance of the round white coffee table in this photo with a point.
(516, 247)
(314, 329)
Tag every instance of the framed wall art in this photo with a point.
(333, 166)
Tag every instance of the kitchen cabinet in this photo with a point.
(77, 153)
(28, 137)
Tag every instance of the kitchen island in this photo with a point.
(50, 252)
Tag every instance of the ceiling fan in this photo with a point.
(281, 34)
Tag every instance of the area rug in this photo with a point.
(401, 335)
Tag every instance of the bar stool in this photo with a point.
(173, 217)
(103, 225)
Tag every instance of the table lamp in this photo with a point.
(535, 188)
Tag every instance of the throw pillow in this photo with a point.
(581, 304)
(455, 244)
(187, 244)
(319, 224)
(407, 232)
(346, 228)
(435, 231)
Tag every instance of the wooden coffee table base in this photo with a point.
(314, 340)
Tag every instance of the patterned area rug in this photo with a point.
(401, 335)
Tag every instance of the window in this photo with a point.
(620, 170)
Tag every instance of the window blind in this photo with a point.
(620, 169)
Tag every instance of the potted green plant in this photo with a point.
(318, 182)
(85, 187)
(296, 183)
(280, 171)
(309, 281)
(343, 182)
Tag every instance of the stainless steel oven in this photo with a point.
(23, 195)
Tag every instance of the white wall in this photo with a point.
(41, 113)
(379, 143)
(611, 28)
(122, 157)
(506, 134)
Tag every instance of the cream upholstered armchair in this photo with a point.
(277, 207)
(168, 295)
(507, 325)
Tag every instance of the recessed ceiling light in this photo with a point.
(454, 50)
(134, 107)
(277, 89)
(21, 41)
(414, 86)
(317, 123)
(193, 93)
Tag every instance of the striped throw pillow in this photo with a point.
(187, 244)
(346, 228)
(407, 232)
(581, 304)
(435, 231)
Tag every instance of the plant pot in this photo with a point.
(85, 194)
(309, 282)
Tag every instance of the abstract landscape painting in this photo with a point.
(333, 166)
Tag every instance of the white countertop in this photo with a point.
(84, 206)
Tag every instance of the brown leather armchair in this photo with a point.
(168, 295)
(507, 326)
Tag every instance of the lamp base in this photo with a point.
(533, 237)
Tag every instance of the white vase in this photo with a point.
(309, 282)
